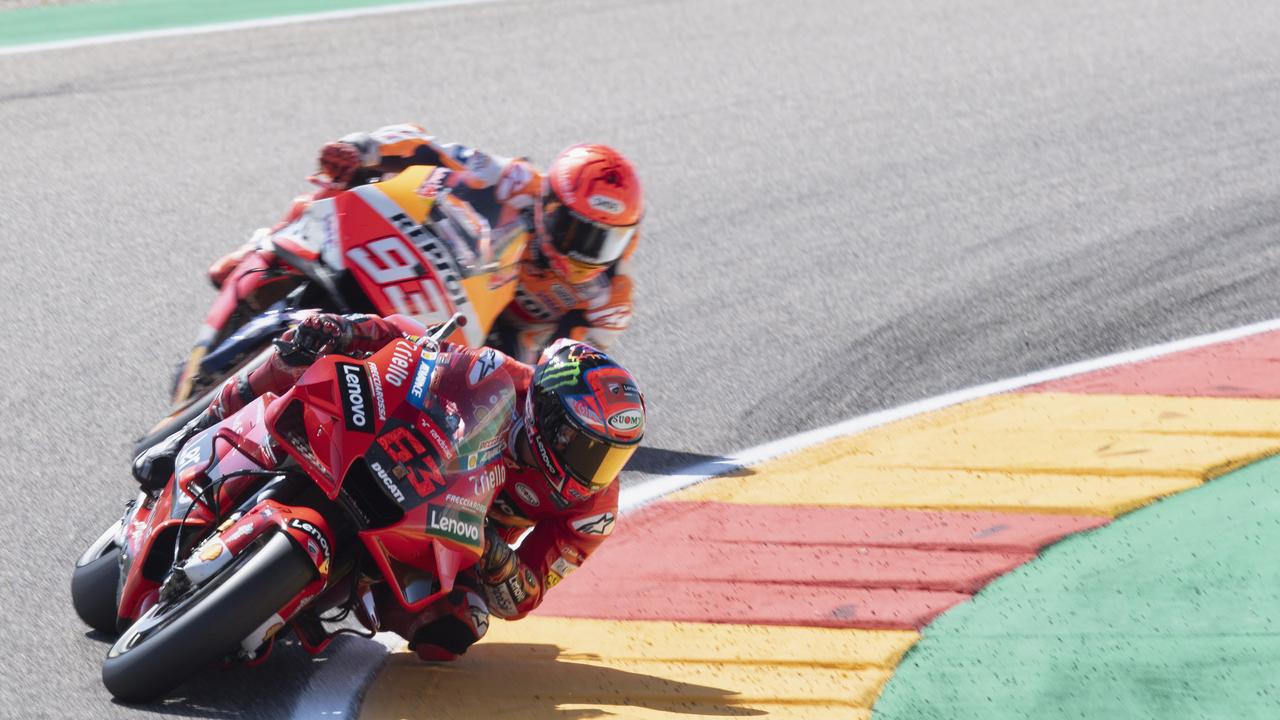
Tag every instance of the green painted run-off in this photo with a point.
(1172, 612)
(69, 22)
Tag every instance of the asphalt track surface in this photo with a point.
(851, 205)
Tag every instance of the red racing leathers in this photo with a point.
(499, 193)
(559, 537)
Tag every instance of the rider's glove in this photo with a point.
(499, 561)
(316, 335)
(508, 586)
(340, 161)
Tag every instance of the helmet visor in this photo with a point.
(590, 461)
(583, 240)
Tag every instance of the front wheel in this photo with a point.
(175, 639)
(95, 580)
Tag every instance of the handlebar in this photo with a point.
(444, 330)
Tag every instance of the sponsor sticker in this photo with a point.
(398, 363)
(376, 385)
(483, 365)
(422, 380)
(585, 412)
(601, 524)
(456, 525)
(211, 551)
(464, 502)
(606, 204)
(626, 420)
(563, 567)
(430, 187)
(355, 397)
(314, 533)
(527, 494)
(387, 481)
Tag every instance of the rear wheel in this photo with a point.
(175, 639)
(95, 580)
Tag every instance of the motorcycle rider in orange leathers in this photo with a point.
(578, 418)
(582, 217)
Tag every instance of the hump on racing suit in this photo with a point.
(499, 194)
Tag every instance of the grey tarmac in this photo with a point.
(852, 204)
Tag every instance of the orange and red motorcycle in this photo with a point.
(368, 476)
(400, 246)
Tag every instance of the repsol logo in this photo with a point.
(442, 261)
(387, 482)
(355, 395)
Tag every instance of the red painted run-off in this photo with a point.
(1245, 368)
(801, 565)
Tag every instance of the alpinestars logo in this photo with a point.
(601, 524)
(355, 395)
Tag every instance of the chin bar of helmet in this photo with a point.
(444, 330)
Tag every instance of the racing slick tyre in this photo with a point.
(95, 580)
(175, 639)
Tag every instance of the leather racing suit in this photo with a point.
(506, 584)
(501, 193)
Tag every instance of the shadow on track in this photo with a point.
(536, 681)
(269, 690)
(657, 461)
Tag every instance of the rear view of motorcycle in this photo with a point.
(400, 246)
(290, 514)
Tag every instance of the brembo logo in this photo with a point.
(355, 393)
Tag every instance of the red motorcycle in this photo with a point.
(291, 513)
(400, 246)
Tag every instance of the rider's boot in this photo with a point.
(153, 468)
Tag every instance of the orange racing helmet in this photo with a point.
(590, 210)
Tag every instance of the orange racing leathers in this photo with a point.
(560, 536)
(500, 193)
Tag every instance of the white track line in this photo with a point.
(251, 24)
(332, 692)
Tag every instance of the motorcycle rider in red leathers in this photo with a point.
(583, 214)
(579, 417)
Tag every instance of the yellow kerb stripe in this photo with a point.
(1056, 453)
(541, 667)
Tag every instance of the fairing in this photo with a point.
(426, 429)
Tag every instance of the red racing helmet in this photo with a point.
(590, 210)
(585, 418)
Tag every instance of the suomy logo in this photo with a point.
(626, 420)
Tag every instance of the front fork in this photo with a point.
(305, 527)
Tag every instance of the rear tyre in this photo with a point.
(174, 640)
(95, 580)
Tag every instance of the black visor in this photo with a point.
(583, 240)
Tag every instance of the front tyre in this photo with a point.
(95, 580)
(174, 640)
